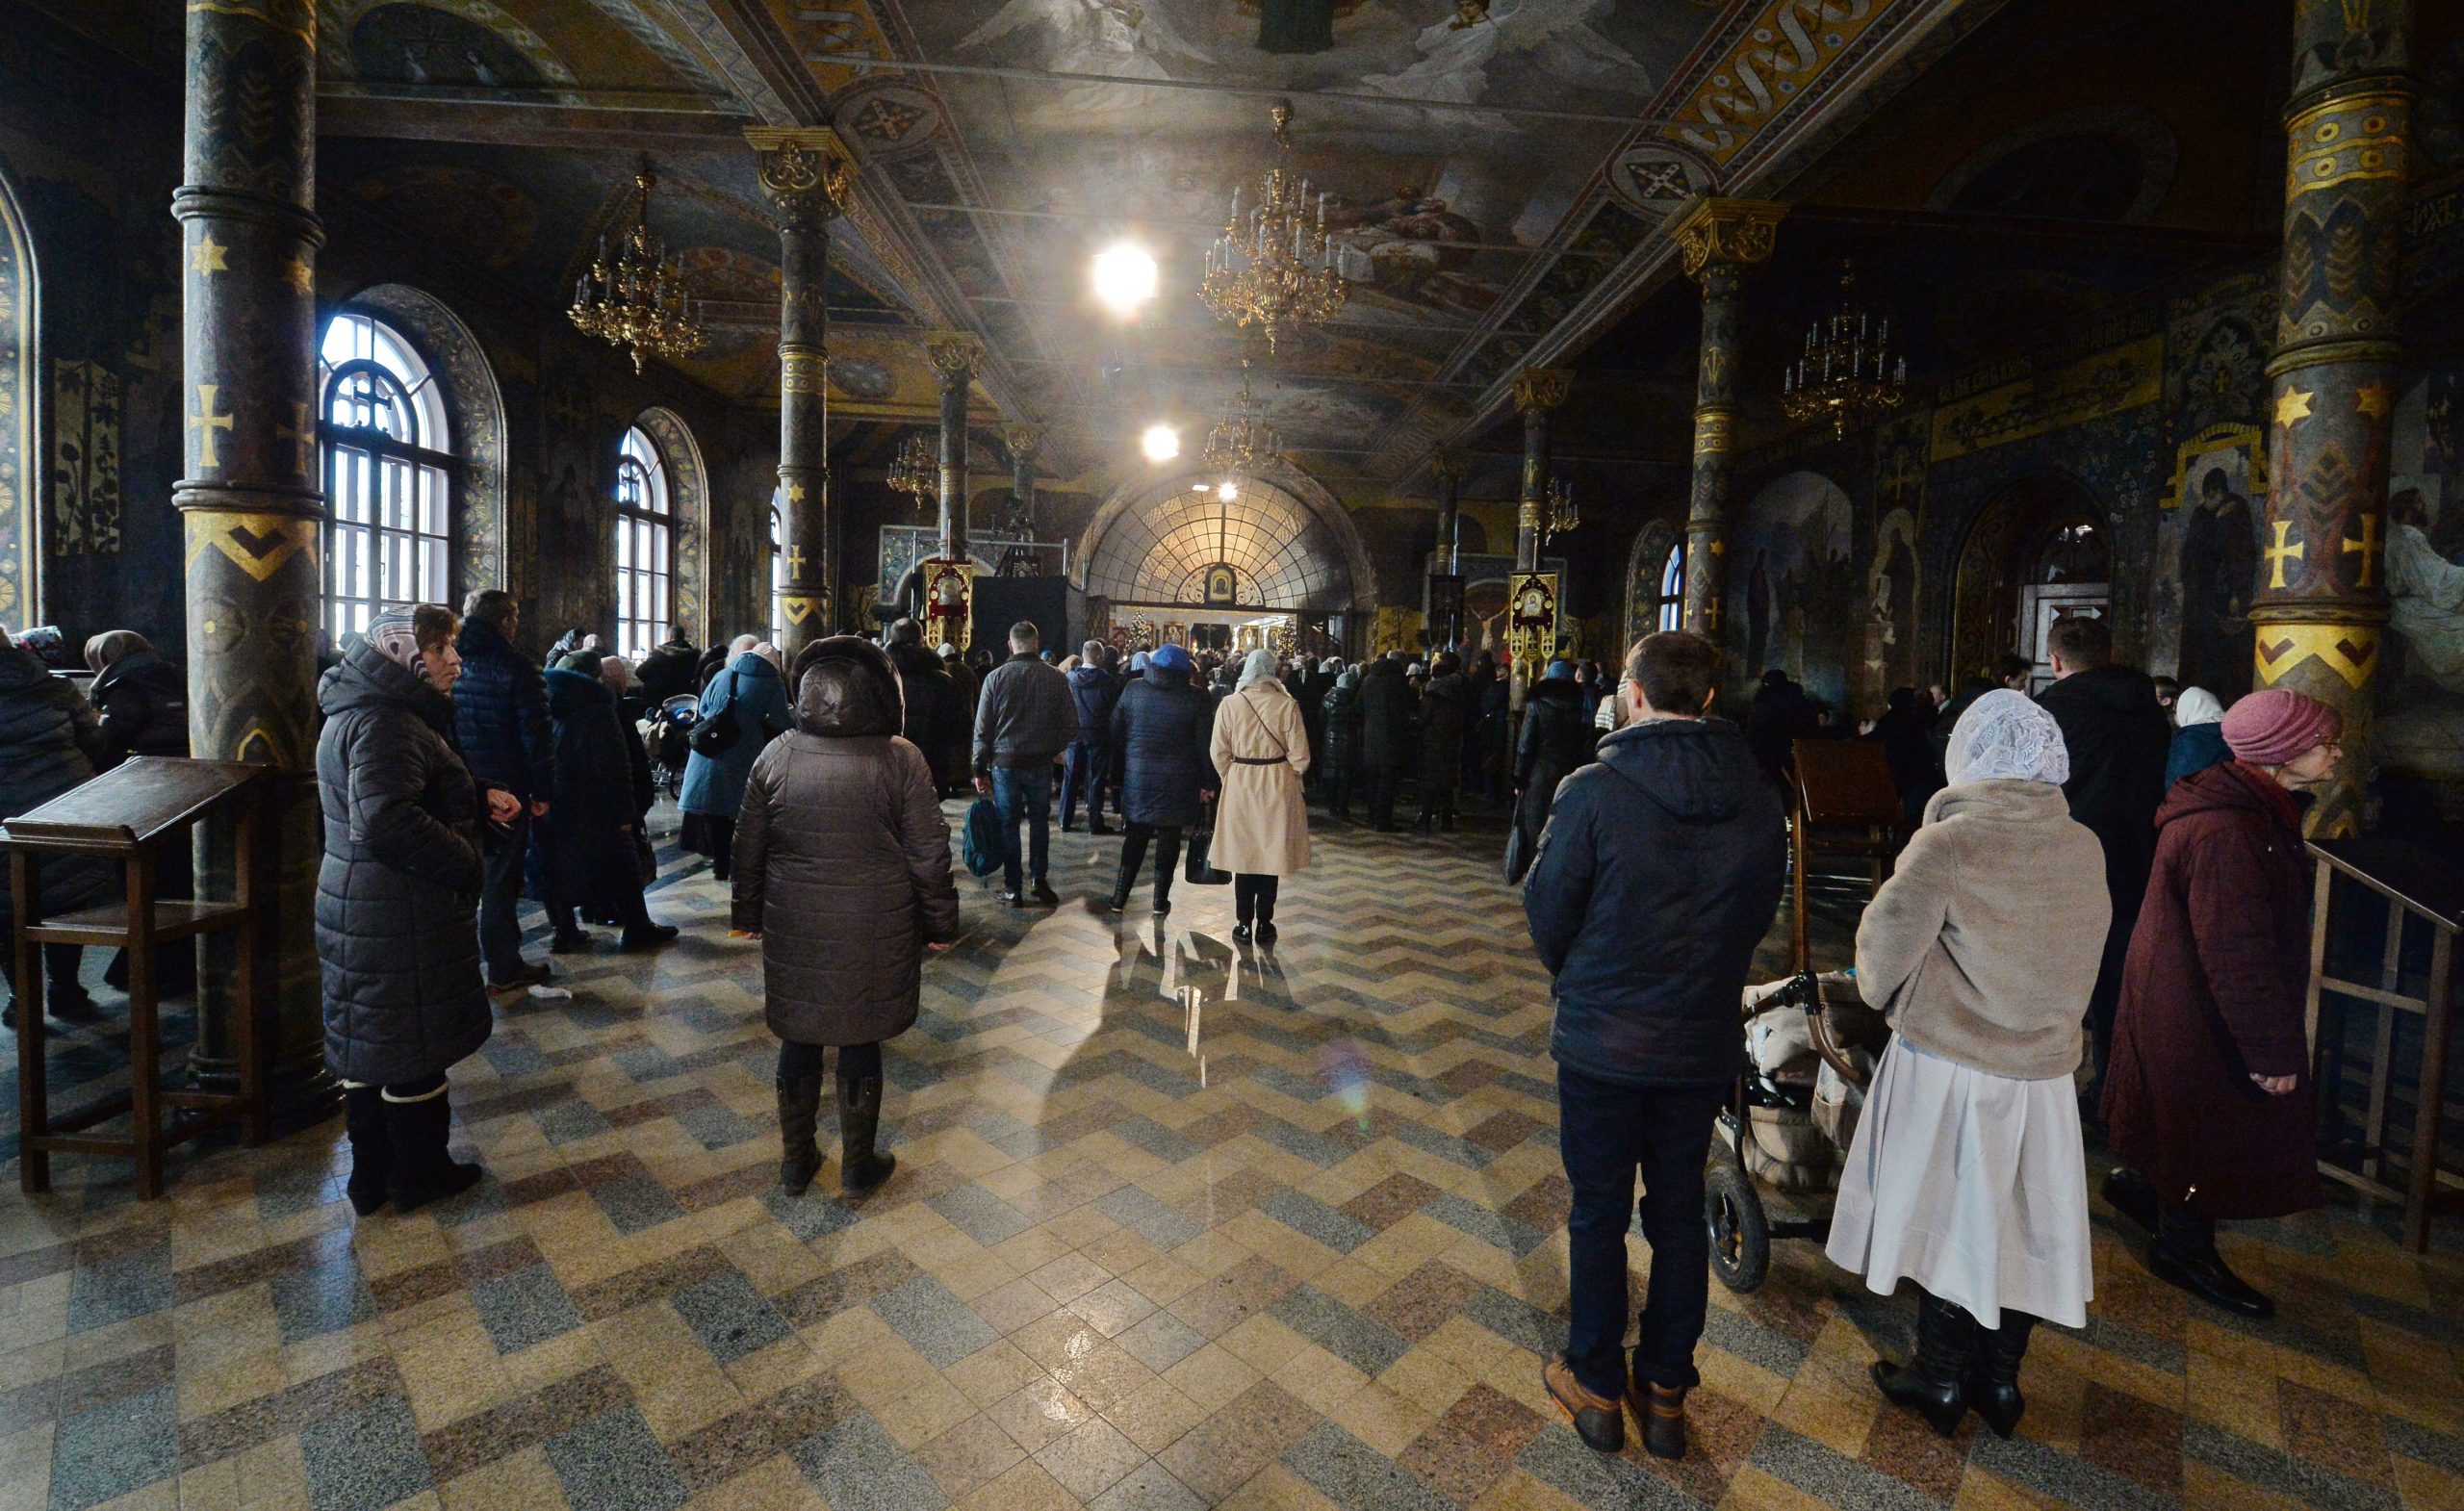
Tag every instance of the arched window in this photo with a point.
(645, 530)
(389, 472)
(1672, 589)
(778, 576)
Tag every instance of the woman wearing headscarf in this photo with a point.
(1160, 727)
(590, 866)
(398, 903)
(1262, 825)
(2208, 1099)
(1342, 743)
(142, 699)
(753, 694)
(2199, 735)
(842, 871)
(1446, 717)
(1966, 1175)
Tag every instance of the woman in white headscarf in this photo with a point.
(2199, 735)
(1967, 1175)
(1261, 748)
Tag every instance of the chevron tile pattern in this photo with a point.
(1175, 1224)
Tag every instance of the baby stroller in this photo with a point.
(1810, 1047)
(668, 741)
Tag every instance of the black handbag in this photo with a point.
(716, 735)
(1195, 869)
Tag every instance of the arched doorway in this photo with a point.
(2040, 552)
(1210, 560)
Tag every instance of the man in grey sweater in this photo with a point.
(1024, 719)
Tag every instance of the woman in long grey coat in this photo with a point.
(398, 900)
(842, 871)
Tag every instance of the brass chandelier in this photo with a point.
(638, 299)
(1849, 371)
(1560, 515)
(917, 469)
(1240, 440)
(1273, 266)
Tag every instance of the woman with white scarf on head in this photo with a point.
(1966, 1175)
(1261, 749)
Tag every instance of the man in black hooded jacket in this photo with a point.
(502, 725)
(1658, 874)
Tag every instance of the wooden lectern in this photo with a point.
(1843, 804)
(2419, 885)
(126, 813)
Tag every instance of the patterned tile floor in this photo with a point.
(1175, 1224)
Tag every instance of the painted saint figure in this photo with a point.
(2219, 569)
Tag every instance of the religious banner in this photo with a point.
(1532, 637)
(949, 603)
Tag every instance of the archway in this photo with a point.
(1280, 544)
(474, 409)
(1656, 549)
(689, 489)
(2040, 552)
(20, 549)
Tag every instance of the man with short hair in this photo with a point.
(1089, 763)
(2119, 738)
(936, 717)
(1024, 718)
(1657, 876)
(500, 721)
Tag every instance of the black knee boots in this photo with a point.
(1934, 1384)
(799, 1110)
(419, 1168)
(860, 1122)
(1993, 1377)
(370, 1165)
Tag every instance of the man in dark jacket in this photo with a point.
(668, 669)
(1089, 763)
(1024, 719)
(1161, 726)
(2119, 739)
(1385, 736)
(1657, 876)
(936, 714)
(1557, 737)
(586, 848)
(501, 722)
(1781, 716)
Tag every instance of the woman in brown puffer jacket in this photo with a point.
(842, 870)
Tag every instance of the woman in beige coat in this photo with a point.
(1261, 749)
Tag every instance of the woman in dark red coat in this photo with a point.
(2208, 1098)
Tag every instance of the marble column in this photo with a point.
(2320, 606)
(249, 495)
(1536, 391)
(1023, 441)
(806, 173)
(953, 357)
(1448, 466)
(1719, 240)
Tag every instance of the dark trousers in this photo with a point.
(2104, 1003)
(1336, 788)
(1253, 897)
(1437, 805)
(804, 1062)
(1024, 792)
(499, 894)
(1086, 767)
(1132, 855)
(1383, 781)
(1606, 1133)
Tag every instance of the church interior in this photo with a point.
(1870, 338)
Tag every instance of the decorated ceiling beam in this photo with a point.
(403, 113)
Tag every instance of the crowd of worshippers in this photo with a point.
(2096, 928)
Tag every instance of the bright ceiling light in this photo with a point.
(1160, 443)
(1228, 492)
(1125, 274)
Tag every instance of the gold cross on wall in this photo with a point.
(2281, 552)
(205, 421)
(302, 437)
(2370, 547)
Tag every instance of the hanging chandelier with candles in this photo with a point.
(637, 300)
(1273, 266)
(1242, 441)
(1561, 515)
(916, 471)
(1849, 370)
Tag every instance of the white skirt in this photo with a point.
(1974, 1186)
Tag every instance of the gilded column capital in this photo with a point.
(953, 355)
(1024, 441)
(805, 170)
(1449, 462)
(1732, 232)
(1541, 388)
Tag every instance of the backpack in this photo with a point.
(982, 850)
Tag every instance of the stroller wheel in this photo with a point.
(1740, 1232)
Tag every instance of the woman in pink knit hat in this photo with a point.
(2208, 1101)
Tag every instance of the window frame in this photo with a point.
(392, 529)
(1668, 604)
(645, 515)
(777, 575)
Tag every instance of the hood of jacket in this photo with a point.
(570, 693)
(752, 664)
(847, 688)
(914, 660)
(480, 638)
(20, 668)
(2003, 798)
(1083, 676)
(2228, 785)
(129, 666)
(367, 680)
(1700, 771)
(1556, 689)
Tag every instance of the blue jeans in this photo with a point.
(1024, 792)
(1084, 768)
(1607, 1132)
